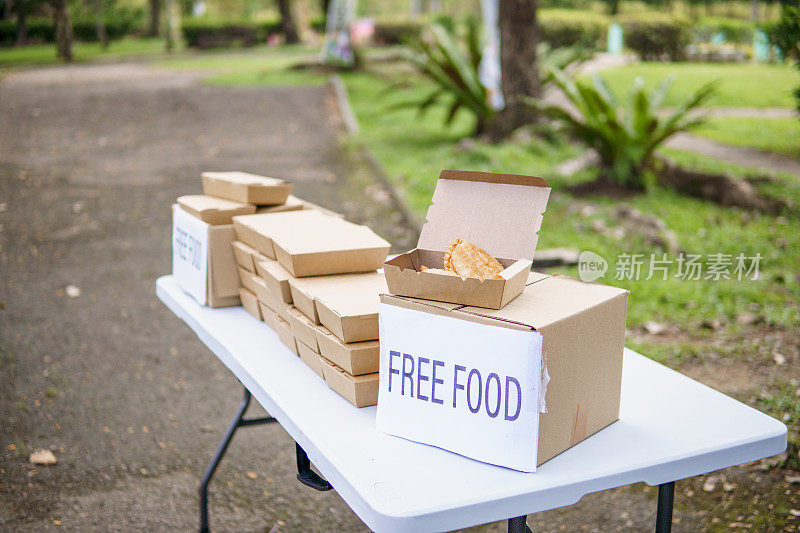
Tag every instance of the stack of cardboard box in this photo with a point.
(312, 277)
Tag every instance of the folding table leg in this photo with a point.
(666, 498)
(238, 421)
(518, 524)
(305, 475)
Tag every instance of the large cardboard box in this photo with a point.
(246, 188)
(560, 329)
(346, 304)
(220, 278)
(214, 211)
(355, 358)
(501, 213)
(276, 277)
(310, 243)
(361, 391)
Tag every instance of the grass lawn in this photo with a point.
(780, 135)
(413, 149)
(740, 84)
(43, 54)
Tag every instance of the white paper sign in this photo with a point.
(466, 387)
(190, 254)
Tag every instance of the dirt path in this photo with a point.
(769, 162)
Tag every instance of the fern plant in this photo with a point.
(453, 64)
(625, 137)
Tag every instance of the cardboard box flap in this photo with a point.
(202, 204)
(222, 265)
(550, 300)
(501, 213)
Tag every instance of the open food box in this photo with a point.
(499, 213)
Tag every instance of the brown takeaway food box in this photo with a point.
(310, 358)
(214, 211)
(246, 188)
(276, 277)
(501, 213)
(361, 391)
(355, 358)
(583, 332)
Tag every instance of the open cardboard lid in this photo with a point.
(501, 213)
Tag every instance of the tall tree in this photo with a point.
(20, 8)
(519, 35)
(154, 25)
(63, 29)
(100, 23)
(287, 22)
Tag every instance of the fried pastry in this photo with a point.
(469, 261)
(423, 268)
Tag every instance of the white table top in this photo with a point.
(670, 428)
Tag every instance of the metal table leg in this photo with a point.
(666, 498)
(518, 524)
(238, 421)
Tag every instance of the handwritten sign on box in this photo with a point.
(190, 254)
(466, 387)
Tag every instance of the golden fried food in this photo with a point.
(469, 261)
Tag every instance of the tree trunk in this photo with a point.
(754, 10)
(100, 23)
(519, 35)
(63, 29)
(22, 25)
(287, 22)
(6, 10)
(324, 5)
(173, 25)
(154, 26)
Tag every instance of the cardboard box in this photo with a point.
(262, 291)
(268, 316)
(214, 211)
(501, 213)
(292, 203)
(277, 279)
(284, 332)
(222, 278)
(346, 304)
(303, 298)
(246, 188)
(250, 303)
(361, 391)
(310, 243)
(310, 358)
(303, 329)
(248, 280)
(356, 358)
(582, 331)
(244, 255)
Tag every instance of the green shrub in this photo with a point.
(209, 32)
(564, 27)
(8, 32)
(119, 23)
(453, 67)
(735, 30)
(625, 137)
(656, 37)
(785, 34)
(396, 32)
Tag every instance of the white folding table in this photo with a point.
(670, 428)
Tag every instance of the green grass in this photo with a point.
(413, 149)
(780, 135)
(44, 54)
(740, 84)
(256, 66)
